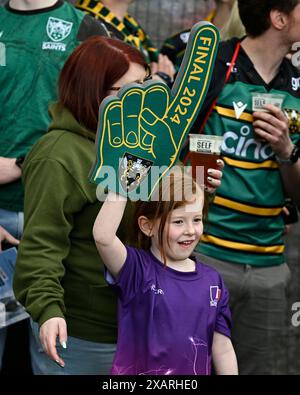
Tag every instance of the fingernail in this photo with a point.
(209, 171)
(59, 364)
(209, 179)
(63, 344)
(219, 162)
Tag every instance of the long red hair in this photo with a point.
(92, 68)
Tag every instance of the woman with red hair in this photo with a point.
(59, 276)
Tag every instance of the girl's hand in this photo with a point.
(215, 177)
(49, 331)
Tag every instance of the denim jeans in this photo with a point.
(81, 357)
(13, 222)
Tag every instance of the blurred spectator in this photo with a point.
(233, 27)
(114, 14)
(174, 46)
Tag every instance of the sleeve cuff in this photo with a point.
(51, 311)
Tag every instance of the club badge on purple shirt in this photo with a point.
(215, 295)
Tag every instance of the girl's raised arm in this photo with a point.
(110, 247)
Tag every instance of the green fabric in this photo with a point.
(29, 81)
(257, 188)
(59, 272)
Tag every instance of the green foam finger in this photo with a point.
(193, 79)
(141, 131)
(149, 116)
(115, 132)
(106, 131)
(132, 98)
(157, 134)
(157, 98)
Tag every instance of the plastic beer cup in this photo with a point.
(260, 99)
(205, 150)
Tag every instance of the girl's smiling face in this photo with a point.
(181, 233)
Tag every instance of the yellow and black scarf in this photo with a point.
(128, 30)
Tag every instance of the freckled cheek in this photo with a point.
(173, 241)
(199, 230)
(175, 236)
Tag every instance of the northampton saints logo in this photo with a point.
(58, 29)
(132, 171)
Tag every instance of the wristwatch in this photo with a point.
(292, 159)
(19, 161)
(165, 77)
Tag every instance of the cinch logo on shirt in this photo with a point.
(244, 145)
(57, 30)
(155, 290)
(215, 295)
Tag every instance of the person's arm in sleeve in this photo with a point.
(91, 27)
(52, 196)
(112, 250)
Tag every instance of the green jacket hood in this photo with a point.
(63, 119)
